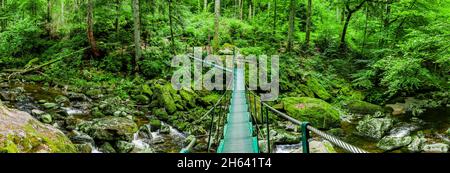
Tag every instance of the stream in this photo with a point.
(27, 97)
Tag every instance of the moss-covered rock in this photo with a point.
(94, 93)
(61, 99)
(308, 92)
(50, 105)
(110, 128)
(161, 114)
(46, 118)
(188, 97)
(316, 111)
(397, 109)
(165, 97)
(84, 148)
(362, 107)
(435, 148)
(374, 128)
(315, 86)
(21, 133)
(210, 99)
(124, 146)
(393, 142)
(107, 148)
(155, 125)
(142, 99)
(416, 144)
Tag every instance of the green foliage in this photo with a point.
(19, 40)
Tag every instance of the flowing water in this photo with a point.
(29, 95)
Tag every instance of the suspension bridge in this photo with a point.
(234, 120)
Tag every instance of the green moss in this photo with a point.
(316, 111)
(147, 90)
(165, 98)
(362, 107)
(57, 142)
(155, 125)
(305, 90)
(329, 147)
(210, 99)
(142, 99)
(161, 114)
(94, 92)
(33, 139)
(318, 89)
(188, 97)
(8, 146)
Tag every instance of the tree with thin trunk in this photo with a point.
(291, 24)
(172, 39)
(137, 35)
(349, 12)
(216, 25)
(49, 11)
(241, 9)
(275, 17)
(90, 28)
(308, 24)
(205, 6)
(117, 16)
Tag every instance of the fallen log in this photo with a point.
(26, 70)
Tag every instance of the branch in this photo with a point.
(26, 70)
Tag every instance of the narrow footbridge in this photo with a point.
(240, 123)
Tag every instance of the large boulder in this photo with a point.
(318, 112)
(393, 142)
(21, 133)
(362, 107)
(374, 128)
(435, 148)
(188, 97)
(315, 86)
(397, 109)
(110, 128)
(416, 144)
(124, 147)
(165, 97)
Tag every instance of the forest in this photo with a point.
(94, 76)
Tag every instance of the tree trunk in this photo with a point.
(249, 11)
(216, 25)
(365, 30)
(90, 32)
(241, 9)
(275, 17)
(137, 35)
(388, 14)
(117, 16)
(2, 21)
(172, 39)
(205, 5)
(49, 11)
(344, 31)
(308, 24)
(62, 12)
(291, 25)
(350, 12)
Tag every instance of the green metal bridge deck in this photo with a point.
(238, 131)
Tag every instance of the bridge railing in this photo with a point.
(306, 128)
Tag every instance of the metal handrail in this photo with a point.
(306, 127)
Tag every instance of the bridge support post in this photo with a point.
(305, 137)
(268, 130)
